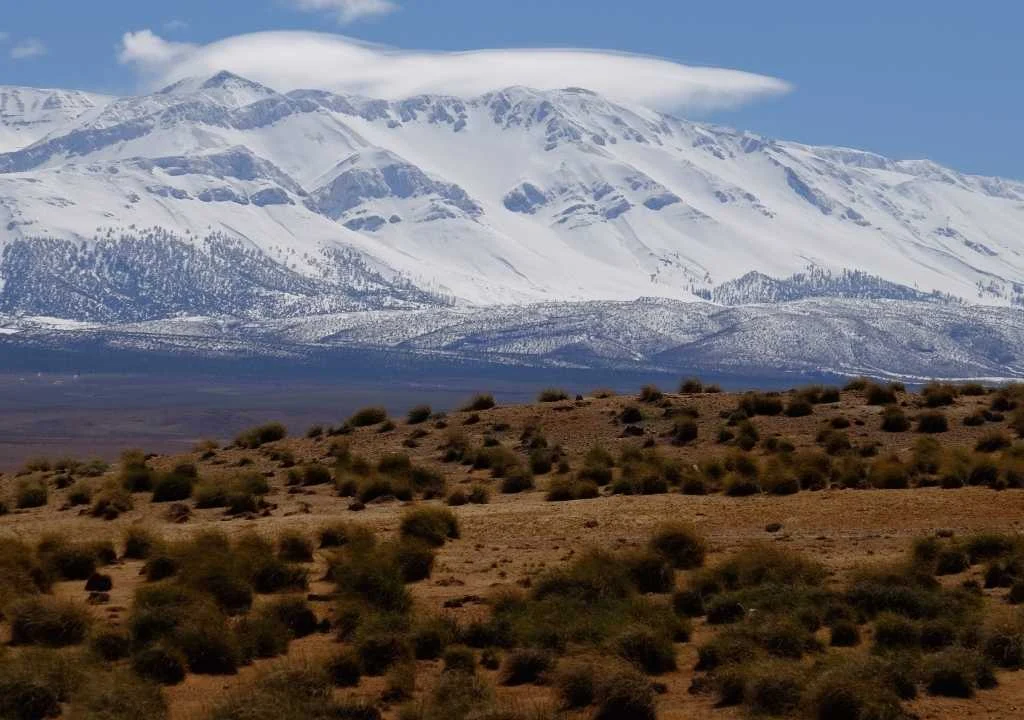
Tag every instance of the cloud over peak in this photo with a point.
(294, 60)
(348, 11)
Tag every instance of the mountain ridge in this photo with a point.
(221, 197)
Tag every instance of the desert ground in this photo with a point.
(830, 486)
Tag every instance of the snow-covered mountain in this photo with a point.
(219, 197)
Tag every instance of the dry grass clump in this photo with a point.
(290, 692)
(47, 622)
(550, 395)
(680, 544)
(479, 403)
(261, 435)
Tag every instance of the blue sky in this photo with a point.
(906, 78)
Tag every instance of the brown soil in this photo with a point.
(517, 537)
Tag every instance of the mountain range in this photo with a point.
(220, 203)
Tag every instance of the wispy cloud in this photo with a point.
(175, 25)
(27, 49)
(348, 11)
(4, 36)
(292, 60)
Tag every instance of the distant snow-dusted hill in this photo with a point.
(221, 198)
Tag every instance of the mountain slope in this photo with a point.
(516, 196)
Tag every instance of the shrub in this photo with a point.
(380, 651)
(889, 474)
(525, 666)
(876, 394)
(419, 414)
(345, 669)
(159, 664)
(31, 493)
(688, 603)
(650, 394)
(894, 420)
(575, 685)
(261, 435)
(932, 422)
(955, 673)
(631, 415)
(652, 652)
(845, 633)
(624, 695)
(1003, 645)
(992, 442)
(761, 404)
(260, 636)
(951, 561)
(552, 395)
(894, 632)
(799, 407)
(480, 402)
(342, 534)
(737, 485)
(433, 525)
(518, 481)
(939, 394)
(724, 610)
(691, 386)
(459, 658)
(110, 645)
(293, 546)
(414, 558)
(650, 572)
(479, 495)
(173, 488)
(79, 494)
(680, 544)
(684, 431)
(47, 622)
(368, 416)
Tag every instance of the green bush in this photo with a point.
(552, 395)
(47, 621)
(680, 544)
(173, 488)
(894, 420)
(459, 658)
(293, 546)
(345, 669)
(956, 673)
(624, 695)
(652, 652)
(525, 666)
(31, 493)
(691, 386)
(159, 664)
(433, 525)
(380, 651)
(650, 394)
(799, 407)
(261, 435)
(419, 414)
(368, 416)
(684, 432)
(517, 481)
(480, 402)
(932, 423)
(845, 633)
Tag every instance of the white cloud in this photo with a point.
(348, 11)
(175, 25)
(4, 36)
(150, 54)
(27, 49)
(292, 60)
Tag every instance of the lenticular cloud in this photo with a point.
(293, 60)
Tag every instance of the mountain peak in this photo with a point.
(220, 82)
